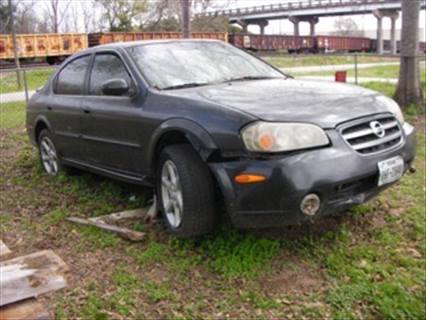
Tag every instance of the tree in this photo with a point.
(186, 18)
(409, 89)
(120, 15)
(346, 27)
(166, 15)
(56, 13)
(5, 14)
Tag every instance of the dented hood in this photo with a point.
(319, 102)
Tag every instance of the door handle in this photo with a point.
(86, 110)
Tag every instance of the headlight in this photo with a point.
(393, 107)
(278, 137)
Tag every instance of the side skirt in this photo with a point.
(117, 175)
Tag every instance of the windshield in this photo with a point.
(192, 63)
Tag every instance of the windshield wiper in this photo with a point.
(185, 85)
(251, 78)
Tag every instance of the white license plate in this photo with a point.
(390, 170)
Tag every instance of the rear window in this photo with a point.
(70, 80)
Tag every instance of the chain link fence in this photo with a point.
(19, 84)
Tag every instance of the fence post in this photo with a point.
(356, 68)
(25, 85)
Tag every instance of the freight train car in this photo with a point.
(258, 42)
(56, 47)
(387, 46)
(342, 44)
(108, 37)
(52, 47)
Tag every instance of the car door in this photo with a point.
(64, 106)
(111, 124)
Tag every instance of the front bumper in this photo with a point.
(337, 174)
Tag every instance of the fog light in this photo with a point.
(310, 204)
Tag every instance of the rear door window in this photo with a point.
(70, 79)
(107, 66)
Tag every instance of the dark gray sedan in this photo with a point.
(202, 121)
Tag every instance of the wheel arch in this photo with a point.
(176, 131)
(41, 123)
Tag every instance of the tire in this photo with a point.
(49, 157)
(195, 185)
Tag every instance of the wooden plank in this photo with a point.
(27, 309)
(123, 232)
(114, 217)
(31, 275)
(4, 250)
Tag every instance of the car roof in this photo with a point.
(127, 44)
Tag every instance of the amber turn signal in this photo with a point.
(249, 178)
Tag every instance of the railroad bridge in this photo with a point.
(311, 10)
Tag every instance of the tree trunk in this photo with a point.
(185, 18)
(409, 88)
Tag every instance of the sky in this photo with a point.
(364, 22)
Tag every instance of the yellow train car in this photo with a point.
(51, 46)
(108, 37)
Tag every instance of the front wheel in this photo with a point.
(185, 191)
(48, 154)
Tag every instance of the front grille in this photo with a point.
(362, 138)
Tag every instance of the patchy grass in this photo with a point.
(284, 61)
(367, 263)
(36, 78)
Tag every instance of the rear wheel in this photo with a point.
(185, 191)
(48, 154)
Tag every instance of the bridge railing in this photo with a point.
(305, 4)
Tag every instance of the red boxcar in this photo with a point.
(259, 42)
(342, 44)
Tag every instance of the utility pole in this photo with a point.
(15, 46)
(185, 18)
(409, 91)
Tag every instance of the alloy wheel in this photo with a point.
(171, 194)
(49, 156)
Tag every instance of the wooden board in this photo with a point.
(122, 232)
(4, 250)
(31, 275)
(27, 309)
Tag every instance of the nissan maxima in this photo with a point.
(202, 121)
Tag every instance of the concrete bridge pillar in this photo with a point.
(379, 37)
(295, 22)
(393, 15)
(262, 24)
(243, 24)
(312, 20)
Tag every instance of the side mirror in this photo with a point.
(115, 87)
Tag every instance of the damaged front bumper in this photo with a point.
(340, 176)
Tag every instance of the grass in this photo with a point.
(35, 78)
(385, 72)
(369, 263)
(284, 61)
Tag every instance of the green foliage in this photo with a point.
(234, 254)
(12, 115)
(121, 14)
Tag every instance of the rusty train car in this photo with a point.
(56, 47)
(301, 44)
(48, 46)
(95, 39)
(258, 42)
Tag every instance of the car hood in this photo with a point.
(319, 102)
